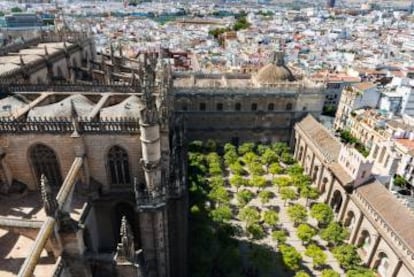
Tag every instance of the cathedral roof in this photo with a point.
(10, 104)
(78, 103)
(130, 107)
(274, 72)
(390, 209)
(324, 141)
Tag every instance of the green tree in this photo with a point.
(275, 168)
(290, 256)
(287, 158)
(268, 157)
(261, 148)
(297, 213)
(221, 214)
(237, 168)
(256, 231)
(250, 215)
(334, 233)
(287, 194)
(316, 253)
(256, 168)
(258, 181)
(301, 181)
(322, 213)
(329, 273)
(295, 170)
(301, 274)
(246, 147)
(250, 157)
(270, 218)
(213, 158)
(280, 148)
(281, 182)
(231, 157)
(237, 181)
(219, 195)
(228, 147)
(305, 233)
(265, 196)
(347, 256)
(215, 169)
(244, 197)
(309, 193)
(216, 181)
(280, 236)
(16, 10)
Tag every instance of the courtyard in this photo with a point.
(253, 212)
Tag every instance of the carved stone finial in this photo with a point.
(126, 248)
(49, 202)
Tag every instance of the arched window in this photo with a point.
(364, 241)
(44, 161)
(271, 107)
(219, 106)
(336, 202)
(289, 106)
(382, 265)
(238, 107)
(202, 106)
(118, 166)
(254, 106)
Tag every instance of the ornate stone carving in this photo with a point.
(125, 250)
(49, 201)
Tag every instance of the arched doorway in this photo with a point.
(336, 201)
(382, 264)
(300, 153)
(118, 166)
(315, 173)
(364, 241)
(350, 222)
(44, 161)
(322, 187)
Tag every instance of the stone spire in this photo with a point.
(49, 202)
(125, 250)
(150, 127)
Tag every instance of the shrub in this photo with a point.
(244, 197)
(280, 236)
(265, 196)
(256, 231)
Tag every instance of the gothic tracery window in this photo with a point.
(44, 161)
(118, 166)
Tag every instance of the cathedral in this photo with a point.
(95, 144)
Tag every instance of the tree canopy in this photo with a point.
(322, 213)
(297, 213)
(347, 256)
(305, 232)
(334, 233)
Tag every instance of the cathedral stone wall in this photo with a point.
(17, 148)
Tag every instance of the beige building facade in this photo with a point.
(378, 223)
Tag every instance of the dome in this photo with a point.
(271, 73)
(274, 72)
